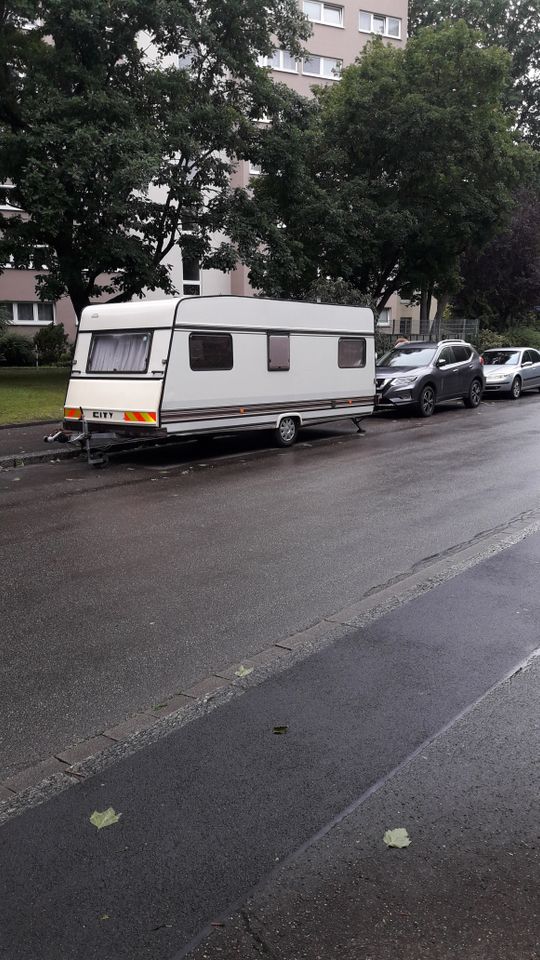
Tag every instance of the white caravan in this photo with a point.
(193, 365)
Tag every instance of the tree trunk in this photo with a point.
(442, 303)
(79, 297)
(424, 309)
(426, 298)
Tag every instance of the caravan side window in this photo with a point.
(279, 351)
(351, 352)
(210, 351)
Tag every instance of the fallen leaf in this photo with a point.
(104, 818)
(280, 730)
(243, 671)
(105, 917)
(397, 838)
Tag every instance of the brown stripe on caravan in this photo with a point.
(258, 409)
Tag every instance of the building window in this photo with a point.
(185, 59)
(351, 352)
(281, 60)
(405, 325)
(6, 189)
(323, 13)
(376, 23)
(191, 286)
(255, 169)
(27, 313)
(322, 67)
(188, 220)
(210, 351)
(385, 317)
(279, 351)
(6, 313)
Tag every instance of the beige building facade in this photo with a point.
(339, 33)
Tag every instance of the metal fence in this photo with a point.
(464, 329)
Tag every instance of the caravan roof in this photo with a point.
(241, 313)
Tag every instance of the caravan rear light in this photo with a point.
(72, 413)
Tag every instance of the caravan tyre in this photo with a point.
(287, 432)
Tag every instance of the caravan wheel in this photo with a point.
(287, 431)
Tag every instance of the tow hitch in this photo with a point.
(84, 439)
(63, 436)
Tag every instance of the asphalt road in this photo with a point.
(213, 808)
(122, 586)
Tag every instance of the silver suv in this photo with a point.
(424, 374)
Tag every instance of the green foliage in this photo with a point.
(486, 339)
(523, 337)
(513, 337)
(514, 26)
(51, 343)
(383, 342)
(324, 290)
(5, 318)
(384, 180)
(502, 284)
(111, 141)
(16, 351)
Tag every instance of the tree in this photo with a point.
(115, 146)
(502, 284)
(386, 178)
(514, 26)
(51, 343)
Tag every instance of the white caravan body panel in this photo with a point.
(181, 395)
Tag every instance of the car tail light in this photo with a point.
(481, 360)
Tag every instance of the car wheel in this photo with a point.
(287, 432)
(426, 402)
(515, 389)
(474, 396)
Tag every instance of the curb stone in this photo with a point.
(28, 423)
(14, 460)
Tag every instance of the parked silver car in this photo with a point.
(511, 370)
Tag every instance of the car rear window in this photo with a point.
(119, 352)
(498, 358)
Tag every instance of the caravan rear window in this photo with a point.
(119, 352)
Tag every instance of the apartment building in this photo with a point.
(339, 32)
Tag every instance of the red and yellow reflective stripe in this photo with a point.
(140, 416)
(72, 413)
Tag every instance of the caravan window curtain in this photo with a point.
(119, 352)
